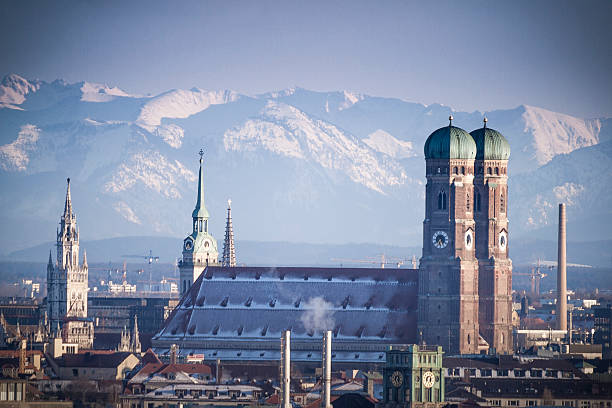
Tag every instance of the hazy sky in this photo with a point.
(467, 54)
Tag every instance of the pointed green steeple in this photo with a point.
(200, 210)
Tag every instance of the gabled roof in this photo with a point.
(255, 304)
(93, 360)
(150, 357)
(151, 370)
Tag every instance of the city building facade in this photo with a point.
(413, 376)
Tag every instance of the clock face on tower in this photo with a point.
(429, 379)
(440, 239)
(188, 244)
(397, 378)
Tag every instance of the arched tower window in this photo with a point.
(455, 170)
(489, 171)
(462, 169)
(442, 200)
(497, 171)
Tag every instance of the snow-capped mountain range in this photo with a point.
(299, 165)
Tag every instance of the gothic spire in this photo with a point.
(135, 346)
(85, 259)
(229, 251)
(68, 205)
(200, 208)
(50, 260)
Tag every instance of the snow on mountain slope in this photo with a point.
(555, 133)
(15, 155)
(13, 90)
(179, 103)
(300, 154)
(385, 143)
(287, 131)
(93, 92)
(154, 171)
(574, 179)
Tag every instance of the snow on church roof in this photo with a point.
(232, 308)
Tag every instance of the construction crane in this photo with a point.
(535, 276)
(381, 260)
(150, 258)
(553, 264)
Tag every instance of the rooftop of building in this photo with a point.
(244, 307)
(93, 359)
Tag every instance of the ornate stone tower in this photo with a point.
(67, 282)
(229, 251)
(448, 273)
(199, 248)
(491, 216)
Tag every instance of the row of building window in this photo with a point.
(469, 170)
(443, 199)
(473, 372)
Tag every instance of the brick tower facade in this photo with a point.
(491, 216)
(448, 273)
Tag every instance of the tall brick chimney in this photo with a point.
(561, 273)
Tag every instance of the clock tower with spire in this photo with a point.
(67, 282)
(199, 248)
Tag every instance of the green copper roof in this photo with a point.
(200, 210)
(450, 142)
(490, 144)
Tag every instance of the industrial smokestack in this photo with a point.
(326, 381)
(286, 369)
(561, 273)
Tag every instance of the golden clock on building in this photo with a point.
(429, 379)
(397, 378)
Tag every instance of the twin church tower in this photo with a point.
(465, 274)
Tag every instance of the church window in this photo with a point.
(489, 171)
(477, 203)
(442, 200)
(462, 169)
(502, 204)
(455, 170)
(467, 203)
(195, 225)
(497, 171)
(200, 229)
(469, 339)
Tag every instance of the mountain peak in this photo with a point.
(14, 89)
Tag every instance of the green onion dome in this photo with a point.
(450, 142)
(490, 144)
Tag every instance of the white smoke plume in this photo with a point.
(318, 315)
